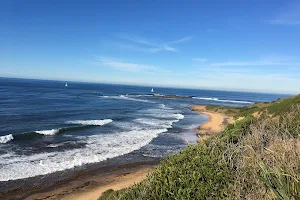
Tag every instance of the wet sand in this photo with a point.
(86, 183)
(115, 182)
(92, 184)
(215, 124)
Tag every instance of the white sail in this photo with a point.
(152, 90)
(66, 85)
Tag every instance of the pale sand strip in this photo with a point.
(216, 123)
(117, 184)
(92, 188)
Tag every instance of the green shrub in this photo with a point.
(235, 164)
(283, 105)
(198, 172)
(108, 194)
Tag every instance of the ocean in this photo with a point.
(46, 127)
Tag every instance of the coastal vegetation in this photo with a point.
(256, 157)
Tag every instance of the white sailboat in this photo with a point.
(66, 85)
(152, 90)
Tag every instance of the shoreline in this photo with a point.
(92, 185)
(63, 183)
(115, 182)
(215, 124)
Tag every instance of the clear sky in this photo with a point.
(233, 45)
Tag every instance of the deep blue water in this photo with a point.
(46, 127)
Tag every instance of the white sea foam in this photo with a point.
(206, 98)
(7, 155)
(143, 122)
(129, 98)
(48, 132)
(98, 148)
(54, 145)
(6, 138)
(128, 126)
(167, 115)
(156, 122)
(163, 106)
(163, 117)
(223, 100)
(144, 95)
(59, 144)
(91, 122)
(134, 99)
(178, 116)
(156, 111)
(139, 95)
(232, 101)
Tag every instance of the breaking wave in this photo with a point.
(48, 132)
(223, 100)
(129, 98)
(84, 124)
(163, 106)
(156, 122)
(91, 122)
(6, 138)
(98, 148)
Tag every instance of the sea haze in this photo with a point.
(47, 127)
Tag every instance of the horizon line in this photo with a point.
(150, 85)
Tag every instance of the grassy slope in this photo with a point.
(274, 108)
(255, 158)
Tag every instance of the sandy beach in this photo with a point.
(92, 186)
(216, 123)
(114, 182)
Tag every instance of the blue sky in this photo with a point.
(232, 45)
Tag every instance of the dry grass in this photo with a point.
(271, 144)
(255, 158)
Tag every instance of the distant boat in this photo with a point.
(152, 90)
(66, 85)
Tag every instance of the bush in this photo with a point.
(255, 158)
(198, 172)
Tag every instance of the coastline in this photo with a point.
(216, 123)
(115, 182)
(91, 186)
